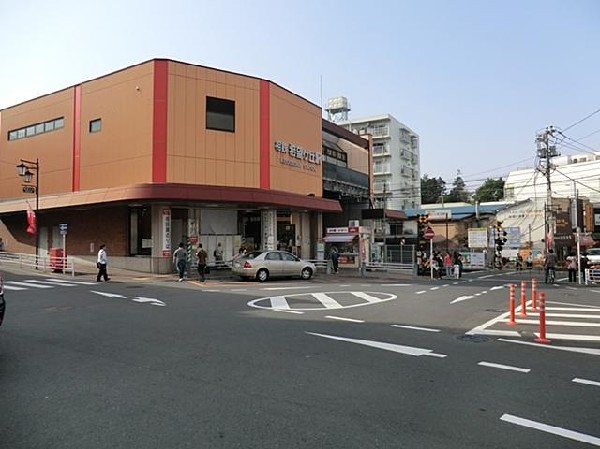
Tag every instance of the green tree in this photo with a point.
(432, 189)
(459, 193)
(490, 190)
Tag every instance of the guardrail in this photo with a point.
(592, 276)
(325, 266)
(40, 263)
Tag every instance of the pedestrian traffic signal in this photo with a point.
(422, 224)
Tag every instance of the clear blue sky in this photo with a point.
(475, 79)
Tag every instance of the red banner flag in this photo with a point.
(31, 221)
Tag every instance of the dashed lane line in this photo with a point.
(565, 433)
(504, 367)
(577, 380)
(27, 284)
(340, 318)
(417, 328)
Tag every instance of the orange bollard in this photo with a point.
(534, 294)
(511, 306)
(542, 338)
(523, 300)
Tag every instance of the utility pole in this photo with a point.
(545, 152)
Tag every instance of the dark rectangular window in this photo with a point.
(220, 114)
(95, 125)
(36, 128)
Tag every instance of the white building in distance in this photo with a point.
(571, 176)
(396, 161)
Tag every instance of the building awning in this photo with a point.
(374, 214)
(193, 195)
(338, 238)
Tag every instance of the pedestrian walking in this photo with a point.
(180, 260)
(549, 265)
(202, 259)
(572, 268)
(102, 263)
(448, 264)
(335, 256)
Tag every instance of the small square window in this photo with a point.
(12, 135)
(220, 114)
(49, 126)
(59, 123)
(39, 128)
(95, 125)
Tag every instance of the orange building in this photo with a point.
(160, 153)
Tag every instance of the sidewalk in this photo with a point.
(88, 272)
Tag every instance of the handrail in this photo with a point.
(41, 263)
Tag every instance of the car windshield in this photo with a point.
(594, 252)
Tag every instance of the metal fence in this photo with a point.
(40, 263)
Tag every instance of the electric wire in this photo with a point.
(582, 120)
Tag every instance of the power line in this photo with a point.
(582, 120)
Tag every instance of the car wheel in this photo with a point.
(262, 275)
(306, 274)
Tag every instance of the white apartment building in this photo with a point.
(396, 161)
(573, 175)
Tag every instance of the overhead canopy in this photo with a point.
(191, 194)
(374, 214)
(338, 238)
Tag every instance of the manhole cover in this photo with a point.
(473, 338)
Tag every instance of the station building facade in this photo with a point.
(160, 153)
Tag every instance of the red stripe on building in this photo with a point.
(265, 135)
(159, 122)
(75, 183)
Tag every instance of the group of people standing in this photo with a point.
(180, 261)
(450, 263)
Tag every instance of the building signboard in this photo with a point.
(166, 232)
(478, 238)
(298, 156)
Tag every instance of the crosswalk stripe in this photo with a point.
(279, 302)
(11, 287)
(558, 323)
(50, 284)
(327, 301)
(566, 315)
(571, 337)
(366, 297)
(64, 281)
(29, 284)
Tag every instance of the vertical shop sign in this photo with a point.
(269, 218)
(166, 232)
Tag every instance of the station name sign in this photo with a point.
(295, 156)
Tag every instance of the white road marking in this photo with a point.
(506, 367)
(589, 351)
(396, 285)
(461, 298)
(64, 281)
(51, 283)
(565, 433)
(565, 315)
(345, 285)
(559, 323)
(279, 302)
(417, 328)
(577, 380)
(108, 295)
(497, 287)
(327, 301)
(285, 288)
(28, 284)
(420, 292)
(572, 309)
(571, 337)
(434, 288)
(239, 290)
(212, 291)
(486, 276)
(400, 349)
(11, 287)
(477, 331)
(352, 320)
(152, 301)
(366, 297)
(297, 312)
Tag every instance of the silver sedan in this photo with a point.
(262, 265)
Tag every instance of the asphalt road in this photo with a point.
(339, 363)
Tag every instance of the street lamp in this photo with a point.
(24, 169)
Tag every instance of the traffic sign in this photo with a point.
(429, 234)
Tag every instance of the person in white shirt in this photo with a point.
(101, 263)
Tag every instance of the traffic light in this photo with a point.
(422, 224)
(500, 235)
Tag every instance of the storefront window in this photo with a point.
(140, 231)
